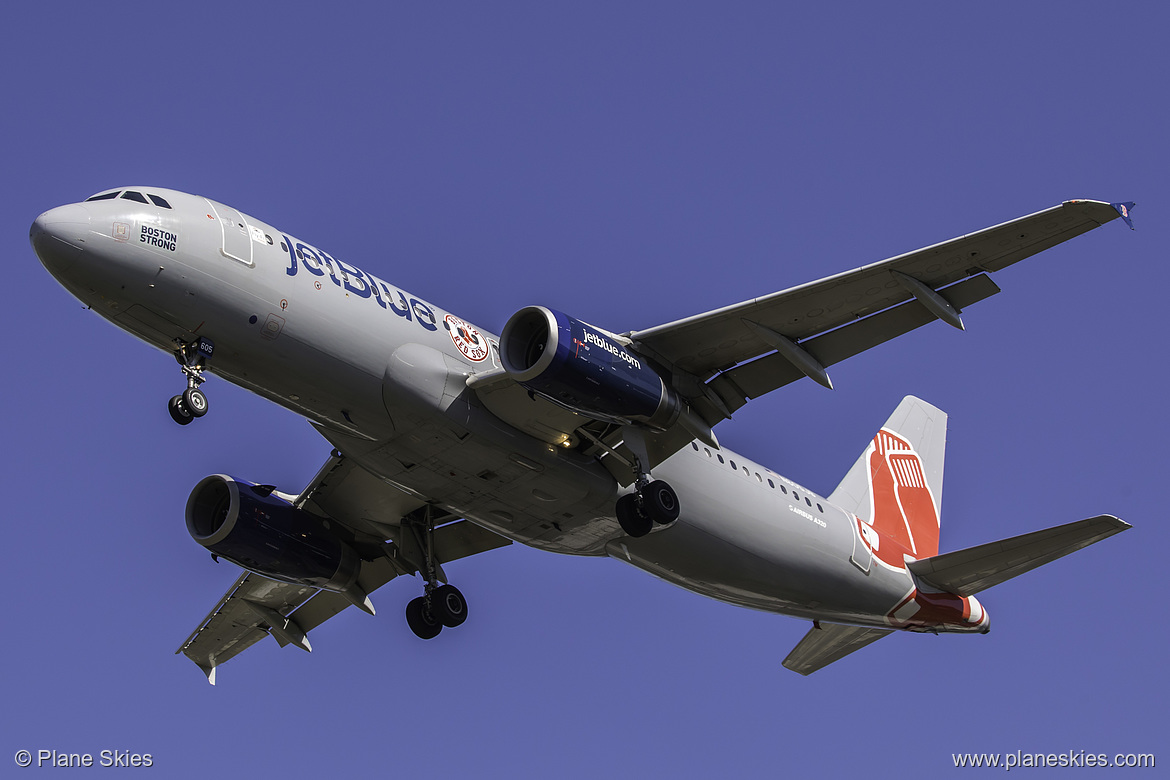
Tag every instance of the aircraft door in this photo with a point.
(235, 232)
(864, 538)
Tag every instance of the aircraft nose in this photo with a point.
(58, 236)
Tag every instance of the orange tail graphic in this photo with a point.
(896, 485)
(903, 508)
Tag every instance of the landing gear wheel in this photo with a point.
(179, 411)
(660, 502)
(449, 605)
(632, 519)
(424, 624)
(195, 401)
(193, 358)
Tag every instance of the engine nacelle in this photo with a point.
(267, 535)
(574, 364)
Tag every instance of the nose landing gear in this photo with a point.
(191, 403)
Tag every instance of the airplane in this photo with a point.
(449, 440)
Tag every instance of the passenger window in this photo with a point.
(104, 196)
(694, 446)
(820, 509)
(160, 202)
(758, 477)
(784, 490)
(771, 484)
(720, 458)
(806, 501)
(134, 196)
(707, 451)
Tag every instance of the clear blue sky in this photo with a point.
(628, 163)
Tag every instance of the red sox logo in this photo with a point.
(470, 341)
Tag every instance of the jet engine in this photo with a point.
(265, 534)
(582, 368)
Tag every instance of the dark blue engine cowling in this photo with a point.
(573, 364)
(269, 536)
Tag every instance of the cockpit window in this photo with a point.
(104, 196)
(156, 200)
(134, 196)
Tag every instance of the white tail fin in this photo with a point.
(896, 484)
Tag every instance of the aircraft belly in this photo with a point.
(481, 469)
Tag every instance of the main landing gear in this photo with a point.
(440, 605)
(191, 403)
(446, 607)
(656, 503)
(652, 502)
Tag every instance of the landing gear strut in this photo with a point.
(440, 605)
(191, 403)
(653, 502)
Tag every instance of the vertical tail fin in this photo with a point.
(896, 484)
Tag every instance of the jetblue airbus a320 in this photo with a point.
(450, 441)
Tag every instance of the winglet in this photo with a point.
(1123, 209)
(209, 671)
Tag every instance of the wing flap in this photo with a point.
(751, 380)
(233, 626)
(828, 642)
(325, 604)
(967, 572)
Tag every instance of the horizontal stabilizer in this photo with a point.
(829, 642)
(969, 571)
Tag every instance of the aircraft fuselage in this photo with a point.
(383, 375)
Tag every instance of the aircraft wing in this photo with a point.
(722, 358)
(255, 606)
(828, 642)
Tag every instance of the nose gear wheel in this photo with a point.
(191, 403)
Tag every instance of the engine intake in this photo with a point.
(580, 367)
(269, 536)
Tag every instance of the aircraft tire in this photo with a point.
(195, 401)
(179, 411)
(423, 625)
(450, 605)
(661, 502)
(632, 520)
